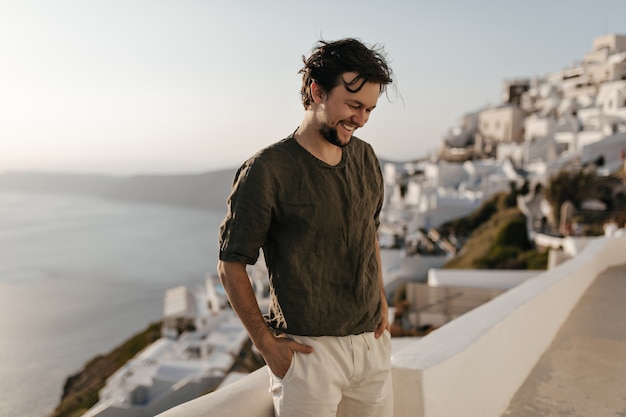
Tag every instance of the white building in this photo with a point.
(428, 194)
(503, 123)
(576, 115)
(565, 119)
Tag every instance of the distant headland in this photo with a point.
(206, 191)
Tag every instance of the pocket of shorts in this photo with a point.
(289, 370)
(387, 338)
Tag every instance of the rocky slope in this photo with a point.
(81, 390)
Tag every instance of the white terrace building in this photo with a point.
(550, 120)
(501, 124)
(576, 115)
(605, 63)
(427, 194)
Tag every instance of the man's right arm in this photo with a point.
(277, 352)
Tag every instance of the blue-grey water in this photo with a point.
(78, 275)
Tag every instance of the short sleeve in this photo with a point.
(250, 204)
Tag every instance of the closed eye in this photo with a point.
(359, 106)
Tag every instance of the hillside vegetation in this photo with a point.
(495, 237)
(81, 390)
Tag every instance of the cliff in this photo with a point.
(81, 390)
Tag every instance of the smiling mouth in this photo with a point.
(348, 127)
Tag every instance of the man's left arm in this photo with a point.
(384, 320)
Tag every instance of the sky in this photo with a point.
(189, 86)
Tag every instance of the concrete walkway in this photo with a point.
(583, 372)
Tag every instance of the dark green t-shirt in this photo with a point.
(317, 226)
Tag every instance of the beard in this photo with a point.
(331, 135)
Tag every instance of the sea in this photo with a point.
(79, 275)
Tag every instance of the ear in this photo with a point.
(317, 93)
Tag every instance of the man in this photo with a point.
(312, 203)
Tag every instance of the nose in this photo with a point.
(361, 117)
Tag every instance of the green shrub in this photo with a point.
(466, 225)
(497, 257)
(535, 259)
(574, 186)
(514, 234)
(511, 249)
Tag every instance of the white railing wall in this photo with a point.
(473, 366)
(470, 367)
(248, 397)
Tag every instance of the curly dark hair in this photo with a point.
(329, 60)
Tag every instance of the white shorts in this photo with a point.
(344, 376)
